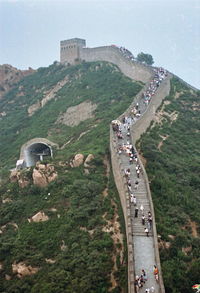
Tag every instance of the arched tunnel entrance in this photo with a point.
(35, 150)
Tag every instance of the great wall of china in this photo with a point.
(72, 52)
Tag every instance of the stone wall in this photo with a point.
(144, 122)
(139, 72)
(132, 69)
(124, 198)
(137, 130)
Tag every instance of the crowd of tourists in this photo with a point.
(142, 279)
(159, 75)
(126, 53)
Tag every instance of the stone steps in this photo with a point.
(142, 234)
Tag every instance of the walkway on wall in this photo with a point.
(144, 255)
(145, 250)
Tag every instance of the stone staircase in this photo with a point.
(144, 252)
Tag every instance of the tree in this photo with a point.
(145, 58)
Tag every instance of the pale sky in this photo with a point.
(169, 30)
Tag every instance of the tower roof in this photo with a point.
(74, 40)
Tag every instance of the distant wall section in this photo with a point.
(74, 50)
(144, 122)
(132, 69)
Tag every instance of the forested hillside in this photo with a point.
(79, 244)
(171, 150)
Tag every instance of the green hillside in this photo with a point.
(82, 246)
(171, 149)
(78, 248)
(97, 82)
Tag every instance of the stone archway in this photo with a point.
(36, 150)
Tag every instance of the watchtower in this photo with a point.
(70, 50)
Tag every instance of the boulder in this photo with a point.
(39, 178)
(21, 178)
(6, 200)
(63, 247)
(52, 177)
(39, 217)
(7, 277)
(23, 182)
(44, 174)
(89, 158)
(14, 176)
(21, 269)
(78, 160)
(171, 237)
(86, 171)
(50, 261)
(40, 166)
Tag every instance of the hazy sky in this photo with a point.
(169, 30)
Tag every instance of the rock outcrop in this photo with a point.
(50, 261)
(76, 114)
(39, 217)
(77, 161)
(6, 200)
(47, 96)
(9, 76)
(20, 177)
(89, 158)
(22, 270)
(43, 174)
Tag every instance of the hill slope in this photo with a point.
(79, 247)
(82, 232)
(9, 76)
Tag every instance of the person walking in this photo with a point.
(142, 209)
(143, 219)
(146, 230)
(136, 212)
(144, 275)
(155, 272)
(150, 222)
